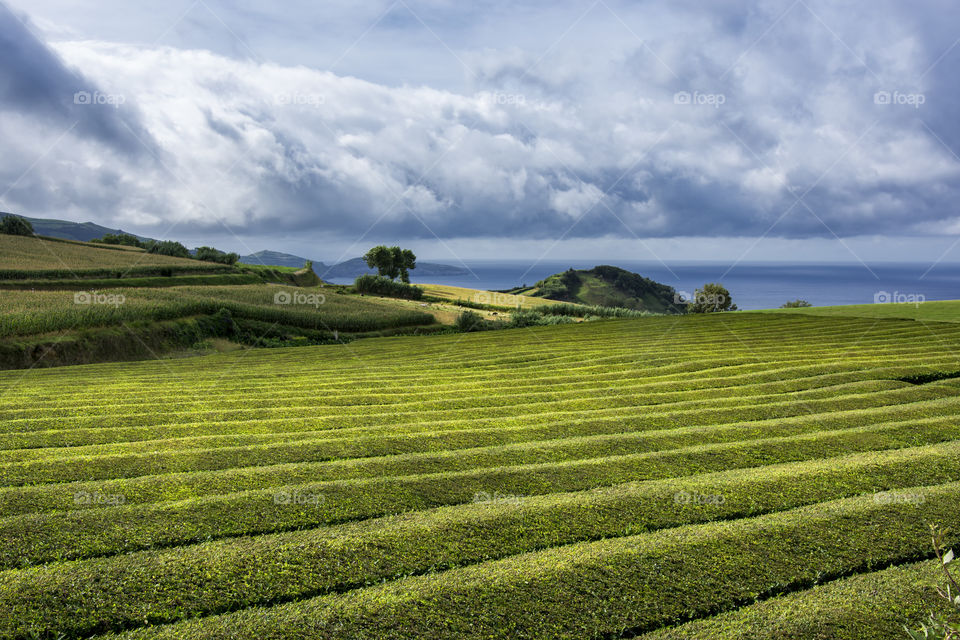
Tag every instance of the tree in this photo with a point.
(15, 226)
(795, 304)
(391, 262)
(379, 258)
(403, 261)
(713, 297)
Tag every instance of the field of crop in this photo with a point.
(479, 296)
(933, 310)
(19, 253)
(722, 476)
(27, 313)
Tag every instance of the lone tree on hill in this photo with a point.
(711, 298)
(15, 226)
(391, 262)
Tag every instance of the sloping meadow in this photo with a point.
(741, 475)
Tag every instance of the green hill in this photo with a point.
(607, 286)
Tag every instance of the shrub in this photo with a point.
(534, 318)
(471, 321)
(795, 304)
(384, 286)
(15, 226)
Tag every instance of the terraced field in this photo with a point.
(35, 312)
(932, 310)
(20, 253)
(480, 296)
(741, 475)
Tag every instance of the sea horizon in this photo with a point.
(752, 284)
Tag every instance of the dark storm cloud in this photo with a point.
(35, 81)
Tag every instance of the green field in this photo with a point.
(21, 253)
(933, 311)
(723, 476)
(36, 312)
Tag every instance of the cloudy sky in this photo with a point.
(669, 129)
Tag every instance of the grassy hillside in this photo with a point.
(63, 327)
(78, 231)
(599, 480)
(20, 253)
(607, 286)
(934, 311)
(482, 297)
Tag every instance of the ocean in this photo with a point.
(752, 285)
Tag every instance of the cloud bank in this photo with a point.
(659, 120)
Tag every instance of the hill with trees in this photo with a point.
(607, 286)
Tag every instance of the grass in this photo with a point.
(28, 313)
(670, 476)
(482, 297)
(929, 311)
(872, 605)
(21, 253)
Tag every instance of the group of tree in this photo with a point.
(209, 254)
(125, 239)
(169, 248)
(391, 262)
(15, 226)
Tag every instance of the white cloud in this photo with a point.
(541, 135)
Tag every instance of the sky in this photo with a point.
(793, 130)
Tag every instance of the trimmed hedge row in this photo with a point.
(160, 586)
(347, 459)
(36, 538)
(51, 444)
(874, 605)
(468, 410)
(422, 438)
(613, 587)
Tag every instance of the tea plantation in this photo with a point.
(720, 476)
